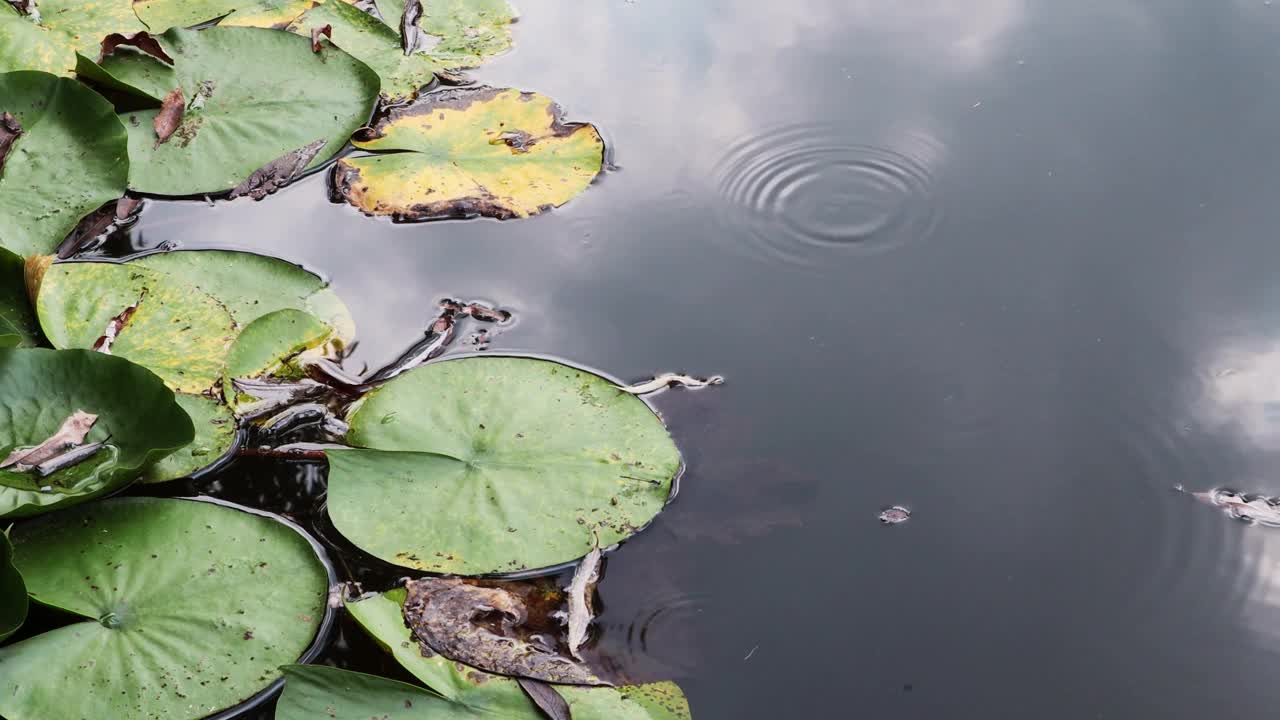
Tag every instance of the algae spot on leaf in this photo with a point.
(470, 152)
(167, 590)
(70, 159)
(262, 95)
(556, 453)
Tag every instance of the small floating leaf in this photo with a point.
(264, 94)
(469, 152)
(380, 616)
(40, 389)
(13, 591)
(520, 461)
(18, 325)
(188, 608)
(70, 158)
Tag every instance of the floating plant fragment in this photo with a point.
(18, 326)
(470, 152)
(13, 591)
(256, 96)
(547, 698)
(496, 695)
(187, 608)
(894, 515)
(42, 396)
(666, 380)
(69, 159)
(444, 615)
(522, 461)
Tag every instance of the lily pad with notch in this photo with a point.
(187, 608)
(137, 419)
(68, 155)
(521, 464)
(470, 152)
(13, 591)
(18, 326)
(252, 97)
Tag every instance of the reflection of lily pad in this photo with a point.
(65, 27)
(215, 434)
(188, 608)
(13, 591)
(70, 158)
(520, 463)
(381, 616)
(137, 415)
(17, 322)
(163, 14)
(253, 95)
(467, 152)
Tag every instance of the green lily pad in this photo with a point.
(381, 616)
(215, 434)
(137, 415)
(164, 14)
(314, 691)
(467, 152)
(467, 32)
(376, 44)
(190, 307)
(273, 338)
(189, 608)
(13, 592)
(519, 463)
(18, 326)
(70, 158)
(253, 95)
(65, 27)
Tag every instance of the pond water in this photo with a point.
(1008, 264)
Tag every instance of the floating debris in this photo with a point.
(69, 436)
(581, 590)
(894, 515)
(666, 380)
(69, 458)
(547, 698)
(1239, 506)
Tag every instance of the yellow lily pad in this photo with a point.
(471, 152)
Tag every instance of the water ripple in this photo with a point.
(801, 189)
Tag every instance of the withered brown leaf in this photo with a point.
(277, 173)
(143, 41)
(170, 115)
(453, 618)
(326, 31)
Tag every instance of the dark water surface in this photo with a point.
(1012, 264)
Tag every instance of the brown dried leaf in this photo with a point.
(170, 115)
(103, 221)
(454, 619)
(72, 433)
(277, 173)
(143, 41)
(547, 698)
(410, 31)
(115, 325)
(10, 130)
(326, 31)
